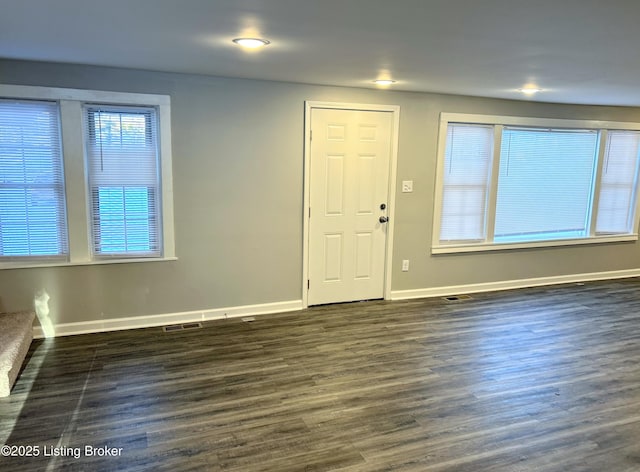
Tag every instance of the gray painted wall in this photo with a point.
(238, 172)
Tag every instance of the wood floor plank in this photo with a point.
(542, 379)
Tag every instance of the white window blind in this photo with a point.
(550, 182)
(618, 183)
(545, 183)
(467, 167)
(124, 184)
(32, 197)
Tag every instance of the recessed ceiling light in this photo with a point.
(251, 43)
(530, 90)
(384, 82)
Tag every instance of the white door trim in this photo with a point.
(395, 110)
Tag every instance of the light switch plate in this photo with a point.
(407, 186)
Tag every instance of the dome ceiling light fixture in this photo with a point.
(530, 90)
(251, 43)
(384, 82)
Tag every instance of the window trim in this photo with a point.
(499, 122)
(72, 125)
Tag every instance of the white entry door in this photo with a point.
(349, 189)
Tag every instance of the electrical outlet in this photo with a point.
(407, 186)
(405, 265)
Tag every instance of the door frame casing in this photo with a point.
(393, 161)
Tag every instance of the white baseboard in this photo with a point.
(511, 284)
(115, 324)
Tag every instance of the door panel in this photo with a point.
(366, 175)
(363, 253)
(334, 185)
(349, 180)
(333, 257)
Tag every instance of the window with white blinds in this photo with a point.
(619, 185)
(85, 177)
(467, 166)
(561, 183)
(124, 184)
(32, 196)
(544, 183)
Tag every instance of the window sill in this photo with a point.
(481, 247)
(39, 265)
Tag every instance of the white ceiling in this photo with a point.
(578, 51)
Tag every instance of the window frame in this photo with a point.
(152, 138)
(77, 197)
(57, 187)
(499, 122)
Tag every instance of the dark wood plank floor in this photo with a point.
(541, 379)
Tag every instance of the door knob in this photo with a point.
(383, 219)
